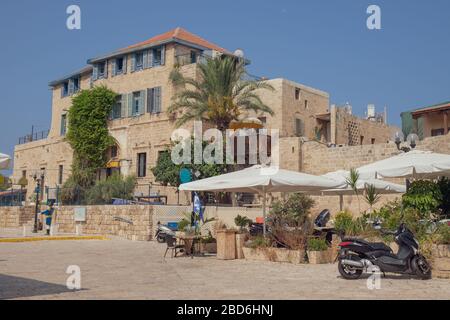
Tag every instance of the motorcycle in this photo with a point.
(357, 256)
(162, 231)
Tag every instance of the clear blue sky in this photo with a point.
(324, 44)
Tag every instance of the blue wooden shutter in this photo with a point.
(124, 64)
(95, 72)
(157, 100)
(130, 104)
(142, 102)
(150, 100)
(113, 67)
(163, 55)
(133, 62)
(124, 110)
(71, 87)
(62, 90)
(106, 69)
(145, 64)
(150, 58)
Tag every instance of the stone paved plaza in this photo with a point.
(120, 269)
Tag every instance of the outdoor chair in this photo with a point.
(172, 245)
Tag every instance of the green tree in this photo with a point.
(372, 196)
(88, 133)
(352, 181)
(423, 195)
(220, 95)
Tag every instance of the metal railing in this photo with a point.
(12, 198)
(34, 137)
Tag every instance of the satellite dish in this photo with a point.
(239, 53)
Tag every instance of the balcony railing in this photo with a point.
(34, 137)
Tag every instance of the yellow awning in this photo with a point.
(113, 164)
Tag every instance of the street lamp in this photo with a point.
(38, 180)
(399, 138)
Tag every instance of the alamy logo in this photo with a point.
(74, 20)
(374, 20)
(73, 282)
(245, 146)
(374, 280)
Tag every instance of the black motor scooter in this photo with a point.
(357, 255)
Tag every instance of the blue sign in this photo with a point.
(185, 175)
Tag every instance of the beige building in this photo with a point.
(142, 128)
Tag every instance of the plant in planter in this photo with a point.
(242, 222)
(318, 251)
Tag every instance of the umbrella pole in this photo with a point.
(341, 202)
(264, 212)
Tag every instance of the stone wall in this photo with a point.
(14, 217)
(318, 159)
(129, 222)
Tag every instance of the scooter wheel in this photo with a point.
(161, 239)
(421, 267)
(348, 272)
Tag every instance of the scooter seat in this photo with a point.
(380, 246)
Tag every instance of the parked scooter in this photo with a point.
(162, 231)
(357, 255)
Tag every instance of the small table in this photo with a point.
(189, 243)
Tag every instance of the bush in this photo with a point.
(242, 222)
(442, 234)
(292, 212)
(72, 193)
(115, 186)
(183, 224)
(317, 244)
(259, 242)
(424, 196)
(343, 222)
(444, 187)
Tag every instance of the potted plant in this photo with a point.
(317, 251)
(242, 235)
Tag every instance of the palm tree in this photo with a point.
(352, 181)
(220, 95)
(371, 196)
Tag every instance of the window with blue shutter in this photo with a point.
(130, 105)
(124, 106)
(133, 63)
(157, 56)
(145, 64)
(95, 72)
(76, 84)
(65, 89)
(154, 100)
(117, 108)
(139, 61)
(113, 68)
(71, 87)
(102, 73)
(142, 102)
(124, 64)
(163, 55)
(63, 129)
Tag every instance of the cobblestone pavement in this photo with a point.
(119, 269)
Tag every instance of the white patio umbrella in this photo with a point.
(262, 180)
(413, 164)
(4, 161)
(382, 187)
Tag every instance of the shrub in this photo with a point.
(424, 196)
(242, 222)
(317, 244)
(343, 222)
(292, 212)
(259, 242)
(183, 224)
(72, 193)
(442, 234)
(115, 186)
(444, 187)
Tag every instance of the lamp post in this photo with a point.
(412, 138)
(38, 181)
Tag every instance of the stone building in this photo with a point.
(142, 128)
(428, 121)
